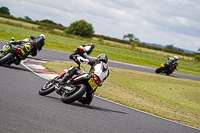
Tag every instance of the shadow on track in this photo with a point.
(96, 108)
(77, 104)
(15, 67)
(171, 75)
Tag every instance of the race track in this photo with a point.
(23, 110)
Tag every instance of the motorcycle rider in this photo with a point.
(83, 51)
(38, 43)
(27, 46)
(173, 61)
(98, 67)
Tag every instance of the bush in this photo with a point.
(197, 57)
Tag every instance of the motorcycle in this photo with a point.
(167, 68)
(14, 53)
(10, 54)
(74, 88)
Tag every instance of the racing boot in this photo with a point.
(65, 78)
(61, 83)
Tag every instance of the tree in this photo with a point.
(26, 17)
(81, 28)
(48, 21)
(131, 37)
(4, 10)
(170, 46)
(199, 50)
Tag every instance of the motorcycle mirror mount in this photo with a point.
(12, 38)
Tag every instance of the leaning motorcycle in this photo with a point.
(167, 68)
(10, 54)
(14, 53)
(73, 89)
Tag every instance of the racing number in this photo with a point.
(28, 46)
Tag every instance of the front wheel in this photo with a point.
(47, 88)
(159, 69)
(74, 95)
(5, 58)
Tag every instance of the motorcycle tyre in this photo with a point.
(44, 91)
(79, 93)
(159, 69)
(168, 73)
(6, 58)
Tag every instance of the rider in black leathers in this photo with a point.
(28, 46)
(98, 67)
(38, 43)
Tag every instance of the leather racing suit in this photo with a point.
(172, 61)
(98, 68)
(83, 51)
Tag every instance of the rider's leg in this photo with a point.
(69, 74)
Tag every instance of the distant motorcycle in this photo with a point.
(73, 89)
(11, 54)
(14, 53)
(167, 68)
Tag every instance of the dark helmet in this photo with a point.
(92, 45)
(102, 57)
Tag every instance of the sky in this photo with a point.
(165, 22)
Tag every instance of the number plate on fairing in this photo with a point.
(92, 83)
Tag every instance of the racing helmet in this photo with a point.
(176, 57)
(92, 45)
(42, 35)
(102, 57)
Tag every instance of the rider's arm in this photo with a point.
(16, 42)
(83, 60)
(176, 64)
(33, 37)
(85, 55)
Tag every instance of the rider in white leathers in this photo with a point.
(99, 68)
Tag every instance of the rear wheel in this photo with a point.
(48, 88)
(5, 57)
(73, 96)
(168, 73)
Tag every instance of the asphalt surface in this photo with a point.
(23, 110)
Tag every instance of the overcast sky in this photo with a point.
(165, 22)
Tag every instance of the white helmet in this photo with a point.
(42, 35)
(176, 57)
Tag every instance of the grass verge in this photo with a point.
(169, 97)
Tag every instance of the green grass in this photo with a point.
(115, 52)
(172, 98)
